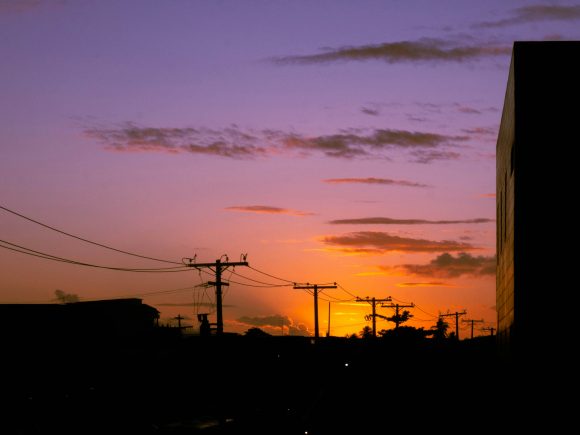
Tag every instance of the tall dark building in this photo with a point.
(539, 130)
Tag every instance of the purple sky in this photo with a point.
(330, 140)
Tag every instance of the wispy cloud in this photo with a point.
(487, 195)
(421, 156)
(448, 266)
(229, 142)
(369, 111)
(468, 110)
(422, 50)
(481, 131)
(424, 284)
(376, 181)
(237, 143)
(266, 209)
(422, 146)
(374, 242)
(356, 252)
(535, 13)
(391, 221)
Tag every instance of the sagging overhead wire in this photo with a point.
(260, 286)
(39, 254)
(415, 306)
(86, 240)
(257, 281)
(152, 293)
(273, 276)
(346, 291)
(337, 299)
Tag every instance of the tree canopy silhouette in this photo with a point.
(366, 332)
(399, 318)
(439, 331)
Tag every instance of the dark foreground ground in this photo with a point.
(273, 385)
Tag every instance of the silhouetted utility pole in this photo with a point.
(328, 328)
(218, 267)
(490, 329)
(374, 315)
(314, 288)
(456, 314)
(179, 319)
(397, 307)
(472, 322)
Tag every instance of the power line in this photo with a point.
(315, 288)
(374, 315)
(400, 300)
(259, 282)
(347, 292)
(429, 314)
(456, 314)
(335, 298)
(322, 299)
(85, 240)
(39, 254)
(416, 306)
(153, 293)
(218, 267)
(273, 276)
(260, 286)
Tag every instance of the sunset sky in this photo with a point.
(330, 141)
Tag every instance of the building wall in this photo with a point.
(537, 175)
(505, 188)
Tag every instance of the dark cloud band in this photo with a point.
(422, 50)
(265, 209)
(448, 266)
(391, 221)
(233, 142)
(374, 242)
(375, 181)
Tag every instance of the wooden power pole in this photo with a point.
(314, 288)
(218, 267)
(456, 314)
(397, 307)
(374, 315)
(472, 322)
(491, 329)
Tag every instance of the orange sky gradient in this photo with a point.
(359, 150)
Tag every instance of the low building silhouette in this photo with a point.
(115, 320)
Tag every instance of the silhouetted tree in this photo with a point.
(402, 317)
(439, 331)
(366, 332)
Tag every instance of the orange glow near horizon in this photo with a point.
(371, 168)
